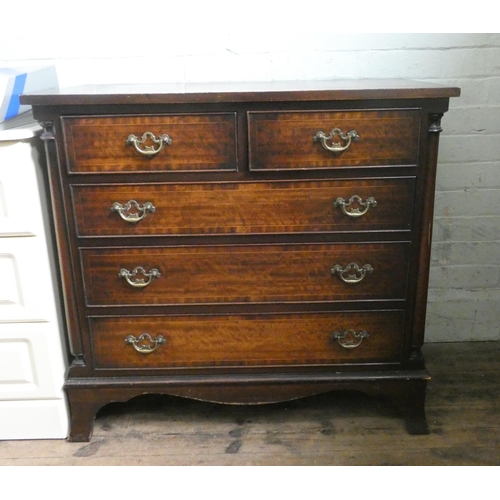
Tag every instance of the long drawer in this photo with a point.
(244, 208)
(286, 339)
(143, 143)
(246, 273)
(301, 140)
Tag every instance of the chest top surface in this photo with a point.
(320, 90)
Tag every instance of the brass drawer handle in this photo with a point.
(131, 279)
(346, 208)
(133, 217)
(148, 150)
(145, 344)
(350, 339)
(336, 147)
(352, 273)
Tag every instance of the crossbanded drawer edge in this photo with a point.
(97, 144)
(244, 341)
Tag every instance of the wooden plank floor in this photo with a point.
(463, 410)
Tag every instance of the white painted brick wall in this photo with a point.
(123, 42)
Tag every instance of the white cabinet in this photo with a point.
(32, 365)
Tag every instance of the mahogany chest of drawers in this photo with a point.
(243, 243)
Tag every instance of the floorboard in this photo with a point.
(463, 410)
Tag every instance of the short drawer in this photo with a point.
(246, 273)
(287, 339)
(300, 140)
(245, 208)
(113, 144)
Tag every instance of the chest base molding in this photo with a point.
(403, 389)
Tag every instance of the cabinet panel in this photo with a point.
(20, 213)
(32, 368)
(16, 367)
(26, 292)
(31, 363)
(42, 419)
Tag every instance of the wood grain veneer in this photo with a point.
(284, 140)
(243, 236)
(199, 142)
(243, 208)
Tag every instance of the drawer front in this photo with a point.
(197, 341)
(242, 274)
(245, 208)
(198, 142)
(285, 140)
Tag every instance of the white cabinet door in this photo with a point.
(32, 366)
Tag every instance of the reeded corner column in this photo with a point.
(434, 130)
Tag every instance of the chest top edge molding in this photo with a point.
(278, 91)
